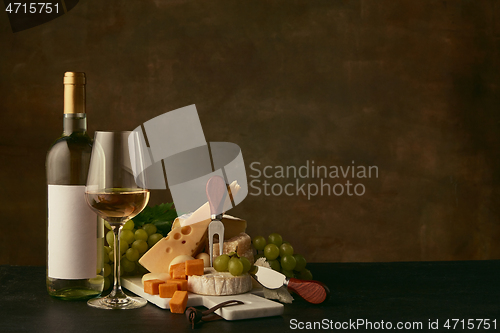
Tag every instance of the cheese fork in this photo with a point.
(216, 192)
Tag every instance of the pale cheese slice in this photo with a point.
(215, 283)
(188, 240)
(155, 276)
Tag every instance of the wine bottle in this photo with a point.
(75, 235)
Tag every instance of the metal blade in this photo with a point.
(269, 278)
(216, 193)
(215, 227)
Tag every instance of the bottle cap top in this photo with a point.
(74, 78)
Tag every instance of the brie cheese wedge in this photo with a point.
(215, 283)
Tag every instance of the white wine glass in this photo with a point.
(116, 195)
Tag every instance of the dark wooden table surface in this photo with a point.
(406, 292)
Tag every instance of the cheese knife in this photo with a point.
(216, 192)
(312, 291)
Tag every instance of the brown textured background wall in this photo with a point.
(411, 87)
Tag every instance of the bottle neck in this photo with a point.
(74, 122)
(75, 119)
(74, 98)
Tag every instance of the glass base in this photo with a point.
(117, 303)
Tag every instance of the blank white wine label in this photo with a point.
(72, 234)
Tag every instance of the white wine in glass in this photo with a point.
(116, 195)
(118, 205)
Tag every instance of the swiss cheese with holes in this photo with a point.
(233, 226)
(189, 240)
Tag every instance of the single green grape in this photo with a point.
(305, 274)
(123, 247)
(132, 254)
(141, 234)
(106, 224)
(141, 246)
(275, 239)
(105, 257)
(259, 243)
(129, 225)
(288, 262)
(111, 256)
(127, 236)
(301, 262)
(150, 228)
(127, 265)
(246, 264)
(287, 273)
(286, 249)
(221, 263)
(110, 238)
(275, 264)
(107, 283)
(235, 266)
(153, 239)
(107, 270)
(271, 251)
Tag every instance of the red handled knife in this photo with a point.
(312, 291)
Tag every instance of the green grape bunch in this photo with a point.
(133, 244)
(281, 257)
(136, 238)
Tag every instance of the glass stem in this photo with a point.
(117, 286)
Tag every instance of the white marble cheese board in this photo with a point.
(255, 306)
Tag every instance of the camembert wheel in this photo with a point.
(215, 283)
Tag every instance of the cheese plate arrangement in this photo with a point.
(188, 268)
(255, 305)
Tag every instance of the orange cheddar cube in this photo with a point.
(195, 267)
(152, 286)
(168, 289)
(178, 271)
(178, 302)
(181, 284)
